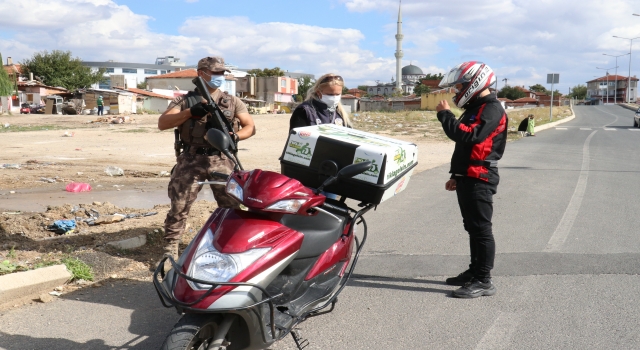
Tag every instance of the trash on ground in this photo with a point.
(79, 173)
(55, 294)
(7, 125)
(62, 227)
(68, 134)
(12, 192)
(11, 212)
(151, 213)
(49, 180)
(10, 166)
(107, 219)
(78, 187)
(114, 171)
(164, 173)
(131, 216)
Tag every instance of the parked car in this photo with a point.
(25, 108)
(636, 119)
(37, 109)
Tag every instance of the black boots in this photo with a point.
(475, 288)
(461, 279)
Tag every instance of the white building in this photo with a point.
(134, 73)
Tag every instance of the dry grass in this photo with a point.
(426, 124)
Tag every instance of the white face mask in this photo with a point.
(331, 100)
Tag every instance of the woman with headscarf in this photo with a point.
(322, 104)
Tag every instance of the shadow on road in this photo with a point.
(369, 281)
(122, 314)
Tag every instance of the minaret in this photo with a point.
(399, 53)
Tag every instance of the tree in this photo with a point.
(304, 84)
(579, 92)
(345, 90)
(58, 68)
(538, 88)
(430, 76)
(273, 72)
(420, 89)
(6, 85)
(511, 93)
(142, 85)
(364, 88)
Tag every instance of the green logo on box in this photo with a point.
(304, 150)
(373, 169)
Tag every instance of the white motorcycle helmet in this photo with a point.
(474, 77)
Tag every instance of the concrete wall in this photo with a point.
(430, 101)
(155, 104)
(170, 84)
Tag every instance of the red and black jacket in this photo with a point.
(480, 136)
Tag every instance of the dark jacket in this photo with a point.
(313, 112)
(480, 136)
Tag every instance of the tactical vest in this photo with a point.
(193, 130)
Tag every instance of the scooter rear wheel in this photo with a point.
(192, 332)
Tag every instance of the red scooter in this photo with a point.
(250, 276)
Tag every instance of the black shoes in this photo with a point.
(461, 279)
(475, 288)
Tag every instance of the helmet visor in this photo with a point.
(450, 79)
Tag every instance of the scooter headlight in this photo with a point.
(212, 266)
(287, 205)
(234, 189)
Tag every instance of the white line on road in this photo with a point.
(610, 129)
(634, 129)
(499, 335)
(566, 223)
(585, 128)
(561, 128)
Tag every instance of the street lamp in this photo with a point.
(615, 90)
(629, 80)
(607, 70)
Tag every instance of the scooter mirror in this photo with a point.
(218, 140)
(354, 169)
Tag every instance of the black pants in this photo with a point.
(475, 198)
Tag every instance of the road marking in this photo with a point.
(634, 129)
(561, 128)
(610, 129)
(566, 223)
(501, 331)
(585, 128)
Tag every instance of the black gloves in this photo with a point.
(198, 111)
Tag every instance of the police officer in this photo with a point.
(198, 159)
(480, 135)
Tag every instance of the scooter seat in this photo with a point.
(320, 232)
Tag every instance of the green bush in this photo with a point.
(79, 269)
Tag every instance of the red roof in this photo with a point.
(187, 73)
(148, 93)
(348, 96)
(526, 99)
(612, 78)
(14, 68)
(504, 99)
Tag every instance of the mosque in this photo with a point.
(410, 74)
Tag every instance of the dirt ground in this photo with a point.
(43, 153)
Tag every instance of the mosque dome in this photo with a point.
(411, 70)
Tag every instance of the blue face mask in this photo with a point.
(216, 81)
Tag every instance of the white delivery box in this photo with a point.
(313, 153)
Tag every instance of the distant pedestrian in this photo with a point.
(522, 127)
(531, 125)
(100, 103)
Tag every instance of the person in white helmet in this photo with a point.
(480, 135)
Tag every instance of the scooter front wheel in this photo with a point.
(193, 332)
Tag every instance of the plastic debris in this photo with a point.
(62, 227)
(10, 166)
(55, 294)
(151, 213)
(6, 125)
(49, 180)
(164, 173)
(68, 134)
(114, 171)
(107, 219)
(78, 187)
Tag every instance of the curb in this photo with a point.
(30, 284)
(551, 125)
(632, 107)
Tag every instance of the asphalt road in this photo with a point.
(567, 264)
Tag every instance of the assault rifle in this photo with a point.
(217, 119)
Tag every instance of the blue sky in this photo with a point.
(521, 40)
